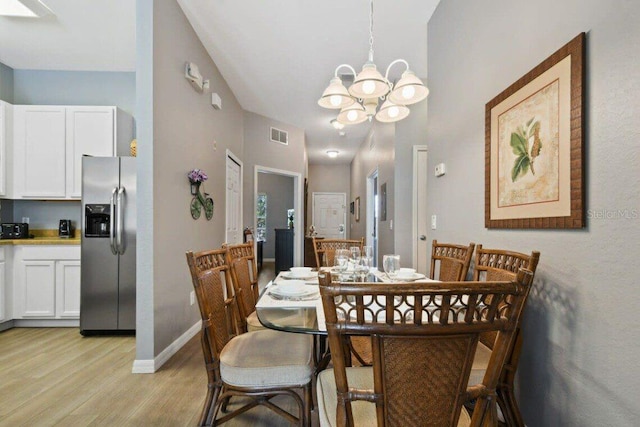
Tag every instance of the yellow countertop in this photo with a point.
(44, 237)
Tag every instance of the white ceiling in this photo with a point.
(277, 55)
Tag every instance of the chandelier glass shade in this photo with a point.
(360, 101)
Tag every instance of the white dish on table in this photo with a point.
(290, 276)
(292, 288)
(409, 278)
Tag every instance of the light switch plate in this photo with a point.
(192, 297)
(440, 169)
(433, 222)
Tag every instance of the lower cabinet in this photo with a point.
(46, 282)
(4, 309)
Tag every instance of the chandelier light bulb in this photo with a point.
(368, 87)
(408, 92)
(335, 100)
(352, 116)
(393, 112)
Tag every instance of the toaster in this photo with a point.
(13, 230)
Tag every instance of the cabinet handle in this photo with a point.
(112, 222)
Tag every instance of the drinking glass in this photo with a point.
(354, 255)
(391, 264)
(367, 251)
(341, 260)
(362, 267)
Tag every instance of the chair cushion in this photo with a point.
(253, 323)
(267, 358)
(480, 363)
(364, 413)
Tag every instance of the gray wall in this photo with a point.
(330, 179)
(6, 83)
(579, 363)
(46, 214)
(376, 151)
(259, 150)
(175, 132)
(38, 87)
(279, 191)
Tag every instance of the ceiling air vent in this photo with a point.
(280, 136)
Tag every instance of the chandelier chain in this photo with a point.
(371, 32)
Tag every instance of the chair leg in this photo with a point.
(308, 404)
(506, 397)
(210, 404)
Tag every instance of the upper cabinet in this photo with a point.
(6, 137)
(49, 142)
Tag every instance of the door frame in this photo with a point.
(347, 231)
(232, 157)
(298, 189)
(371, 217)
(414, 202)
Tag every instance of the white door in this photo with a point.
(234, 200)
(421, 244)
(90, 130)
(329, 215)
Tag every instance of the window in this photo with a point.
(261, 217)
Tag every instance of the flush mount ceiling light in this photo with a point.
(24, 8)
(360, 101)
(336, 124)
(332, 153)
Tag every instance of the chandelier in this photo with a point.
(360, 102)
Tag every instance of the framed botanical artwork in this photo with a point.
(357, 209)
(534, 143)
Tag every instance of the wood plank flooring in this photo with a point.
(56, 377)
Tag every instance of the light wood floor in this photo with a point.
(56, 377)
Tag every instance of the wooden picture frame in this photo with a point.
(357, 209)
(534, 143)
(383, 202)
(352, 207)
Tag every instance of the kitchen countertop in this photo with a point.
(44, 237)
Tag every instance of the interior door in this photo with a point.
(233, 203)
(421, 243)
(329, 215)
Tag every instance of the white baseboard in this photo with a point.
(148, 366)
(269, 260)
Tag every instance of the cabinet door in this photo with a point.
(68, 289)
(40, 141)
(2, 292)
(37, 288)
(5, 137)
(90, 131)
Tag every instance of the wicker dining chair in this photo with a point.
(325, 249)
(242, 261)
(491, 265)
(424, 338)
(258, 365)
(451, 261)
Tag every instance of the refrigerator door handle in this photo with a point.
(120, 223)
(112, 222)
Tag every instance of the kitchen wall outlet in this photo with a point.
(390, 224)
(25, 219)
(440, 169)
(192, 297)
(215, 145)
(433, 222)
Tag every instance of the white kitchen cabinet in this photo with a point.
(6, 138)
(91, 131)
(49, 142)
(39, 152)
(46, 282)
(3, 287)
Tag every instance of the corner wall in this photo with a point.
(176, 129)
(579, 364)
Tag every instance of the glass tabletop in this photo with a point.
(303, 319)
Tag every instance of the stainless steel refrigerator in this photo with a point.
(108, 266)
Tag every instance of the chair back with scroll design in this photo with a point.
(499, 264)
(218, 309)
(242, 261)
(325, 249)
(424, 337)
(451, 260)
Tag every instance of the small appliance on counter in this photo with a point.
(12, 230)
(65, 229)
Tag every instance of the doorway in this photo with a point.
(233, 216)
(372, 214)
(329, 214)
(420, 243)
(297, 205)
